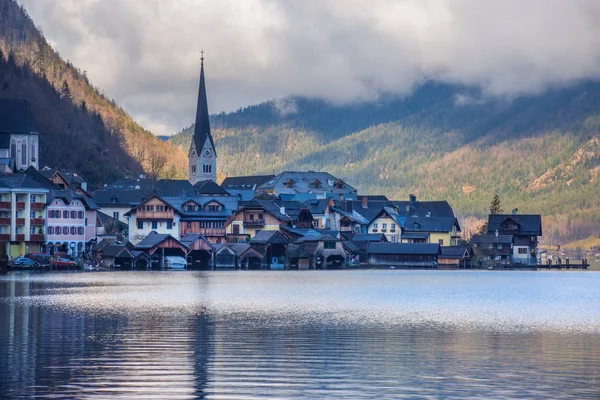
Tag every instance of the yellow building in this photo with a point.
(389, 223)
(442, 230)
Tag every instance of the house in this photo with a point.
(404, 255)
(322, 184)
(442, 230)
(117, 202)
(19, 137)
(22, 214)
(157, 246)
(259, 215)
(388, 222)
(244, 187)
(272, 245)
(454, 257)
(525, 229)
(237, 256)
(152, 215)
(324, 251)
(65, 179)
(116, 256)
(299, 258)
(358, 244)
(71, 222)
(498, 248)
(201, 251)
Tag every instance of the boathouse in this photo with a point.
(404, 255)
(160, 245)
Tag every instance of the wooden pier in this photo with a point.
(565, 264)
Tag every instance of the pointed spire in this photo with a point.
(202, 124)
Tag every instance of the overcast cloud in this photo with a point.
(145, 53)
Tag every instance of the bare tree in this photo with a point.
(156, 164)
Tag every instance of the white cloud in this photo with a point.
(145, 53)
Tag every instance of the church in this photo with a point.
(202, 157)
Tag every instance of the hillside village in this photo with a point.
(292, 220)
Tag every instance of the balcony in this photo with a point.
(20, 237)
(4, 205)
(20, 205)
(154, 214)
(212, 231)
(20, 221)
(37, 206)
(254, 222)
(4, 237)
(38, 237)
(37, 221)
(4, 221)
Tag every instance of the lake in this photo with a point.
(300, 334)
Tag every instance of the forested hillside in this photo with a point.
(79, 126)
(540, 153)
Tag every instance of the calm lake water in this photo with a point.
(304, 334)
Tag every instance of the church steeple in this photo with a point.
(202, 154)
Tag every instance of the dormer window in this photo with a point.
(290, 184)
(113, 200)
(339, 184)
(316, 184)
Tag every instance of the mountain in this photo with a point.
(79, 126)
(540, 153)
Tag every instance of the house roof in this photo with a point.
(16, 117)
(190, 238)
(210, 187)
(154, 239)
(504, 239)
(118, 197)
(404, 248)
(415, 235)
(456, 252)
(369, 237)
(107, 220)
(529, 224)
(295, 250)
(317, 206)
(431, 224)
(302, 181)
(125, 183)
(20, 180)
(170, 187)
(437, 208)
(373, 197)
(68, 196)
(113, 250)
(134, 208)
(320, 238)
(245, 182)
(270, 237)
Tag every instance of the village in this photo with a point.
(292, 220)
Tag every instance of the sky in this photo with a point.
(146, 53)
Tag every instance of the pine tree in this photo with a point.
(65, 91)
(496, 207)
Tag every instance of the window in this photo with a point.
(394, 239)
(441, 242)
(522, 250)
(140, 224)
(116, 215)
(73, 214)
(57, 230)
(499, 246)
(329, 245)
(73, 230)
(169, 224)
(236, 229)
(383, 227)
(189, 225)
(193, 169)
(154, 225)
(65, 214)
(490, 246)
(32, 230)
(393, 228)
(113, 200)
(32, 214)
(32, 198)
(80, 214)
(24, 153)
(80, 230)
(261, 216)
(13, 149)
(339, 184)
(251, 217)
(50, 230)
(86, 222)
(32, 150)
(375, 226)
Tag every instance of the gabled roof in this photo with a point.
(68, 196)
(202, 123)
(170, 187)
(190, 238)
(112, 250)
(135, 208)
(245, 182)
(529, 224)
(154, 239)
(302, 181)
(431, 224)
(456, 252)
(320, 238)
(438, 208)
(121, 197)
(16, 117)
(21, 181)
(107, 220)
(317, 206)
(125, 183)
(270, 237)
(210, 187)
(369, 237)
(404, 248)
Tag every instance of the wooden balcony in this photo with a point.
(20, 205)
(4, 221)
(38, 237)
(4, 205)
(212, 231)
(20, 237)
(4, 237)
(37, 221)
(254, 222)
(154, 215)
(37, 206)
(20, 221)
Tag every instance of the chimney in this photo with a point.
(412, 198)
(365, 201)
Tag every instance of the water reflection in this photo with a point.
(260, 335)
